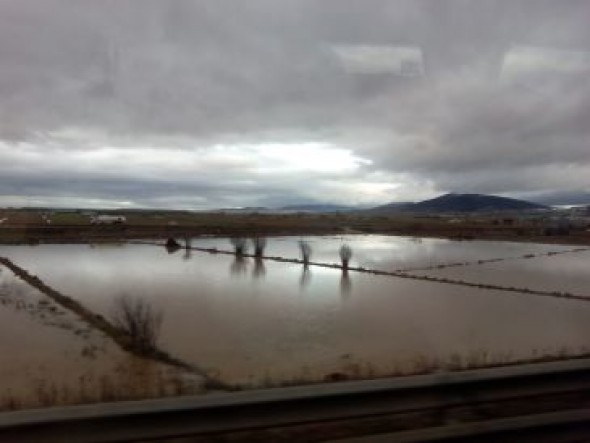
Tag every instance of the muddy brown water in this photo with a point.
(262, 323)
(50, 357)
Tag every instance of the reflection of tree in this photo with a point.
(345, 285)
(305, 250)
(238, 266)
(259, 269)
(187, 249)
(305, 277)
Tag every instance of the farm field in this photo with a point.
(249, 322)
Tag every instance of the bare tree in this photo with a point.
(172, 245)
(259, 245)
(345, 256)
(305, 249)
(187, 248)
(139, 320)
(239, 245)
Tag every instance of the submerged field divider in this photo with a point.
(492, 260)
(400, 273)
(119, 336)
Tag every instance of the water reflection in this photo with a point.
(187, 249)
(345, 285)
(305, 277)
(259, 271)
(238, 266)
(256, 331)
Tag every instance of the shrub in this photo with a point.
(136, 318)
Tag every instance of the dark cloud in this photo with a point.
(411, 97)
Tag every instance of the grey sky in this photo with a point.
(217, 103)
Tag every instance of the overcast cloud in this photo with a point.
(224, 103)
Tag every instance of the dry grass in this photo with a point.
(27, 226)
(351, 369)
(136, 318)
(133, 382)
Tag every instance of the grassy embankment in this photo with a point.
(31, 227)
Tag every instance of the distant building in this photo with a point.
(108, 219)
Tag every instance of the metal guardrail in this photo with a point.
(561, 426)
(250, 410)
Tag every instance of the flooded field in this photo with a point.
(259, 322)
(50, 356)
(565, 272)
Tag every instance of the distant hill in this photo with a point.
(317, 208)
(579, 198)
(244, 210)
(393, 207)
(462, 203)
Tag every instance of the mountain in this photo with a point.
(463, 203)
(393, 207)
(317, 208)
(244, 210)
(577, 198)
